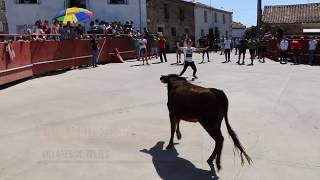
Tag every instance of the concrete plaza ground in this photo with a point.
(110, 123)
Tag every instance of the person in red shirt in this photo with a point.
(45, 27)
(162, 49)
(296, 49)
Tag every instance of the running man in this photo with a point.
(189, 61)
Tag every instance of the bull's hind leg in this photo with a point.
(213, 128)
(173, 122)
(178, 130)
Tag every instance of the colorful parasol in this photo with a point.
(73, 15)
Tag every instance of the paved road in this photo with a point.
(112, 123)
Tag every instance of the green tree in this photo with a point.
(251, 32)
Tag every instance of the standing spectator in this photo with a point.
(146, 32)
(262, 48)
(143, 49)
(136, 44)
(284, 45)
(154, 43)
(95, 49)
(312, 49)
(237, 44)
(178, 52)
(232, 45)
(185, 44)
(252, 46)
(162, 49)
(205, 44)
(222, 46)
(296, 49)
(243, 45)
(149, 46)
(227, 49)
(189, 61)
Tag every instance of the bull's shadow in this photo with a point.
(171, 167)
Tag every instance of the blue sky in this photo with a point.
(245, 10)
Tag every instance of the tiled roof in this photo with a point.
(237, 25)
(289, 14)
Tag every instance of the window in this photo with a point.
(174, 32)
(118, 1)
(1, 27)
(166, 11)
(211, 31)
(160, 29)
(77, 3)
(27, 1)
(181, 12)
(202, 32)
(215, 17)
(224, 18)
(227, 34)
(205, 14)
(186, 30)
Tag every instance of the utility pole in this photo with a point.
(259, 17)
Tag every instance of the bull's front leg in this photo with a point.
(173, 123)
(178, 130)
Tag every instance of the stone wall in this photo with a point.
(174, 18)
(3, 19)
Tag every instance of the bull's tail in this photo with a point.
(234, 136)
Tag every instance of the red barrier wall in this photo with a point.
(53, 55)
(38, 57)
(124, 45)
(20, 67)
(273, 51)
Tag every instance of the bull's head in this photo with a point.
(165, 78)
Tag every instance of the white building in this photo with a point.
(238, 29)
(208, 19)
(20, 12)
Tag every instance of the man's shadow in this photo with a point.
(171, 167)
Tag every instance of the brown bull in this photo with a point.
(208, 106)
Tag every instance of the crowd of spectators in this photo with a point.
(112, 28)
(42, 30)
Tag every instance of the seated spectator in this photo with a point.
(45, 27)
(26, 30)
(37, 30)
(55, 28)
(79, 31)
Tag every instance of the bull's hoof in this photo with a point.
(170, 146)
(219, 167)
(179, 136)
(210, 163)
